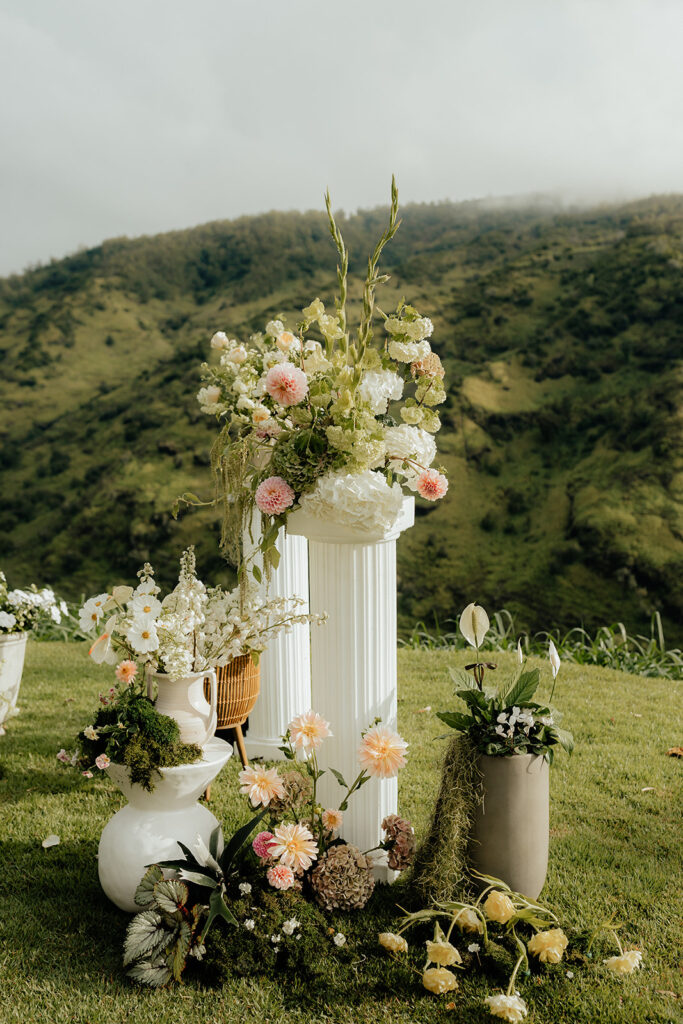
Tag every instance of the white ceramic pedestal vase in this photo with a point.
(353, 657)
(12, 653)
(184, 700)
(511, 828)
(286, 663)
(148, 828)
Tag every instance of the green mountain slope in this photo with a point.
(562, 335)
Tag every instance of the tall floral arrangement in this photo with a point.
(193, 628)
(325, 417)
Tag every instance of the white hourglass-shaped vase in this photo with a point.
(148, 828)
(353, 657)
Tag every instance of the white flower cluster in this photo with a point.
(518, 718)
(20, 610)
(361, 500)
(192, 629)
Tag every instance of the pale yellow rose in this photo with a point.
(498, 907)
(510, 1008)
(438, 980)
(443, 953)
(626, 963)
(394, 943)
(285, 340)
(468, 920)
(549, 946)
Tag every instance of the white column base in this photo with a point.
(286, 663)
(353, 661)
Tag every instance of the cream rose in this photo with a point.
(626, 963)
(468, 920)
(394, 943)
(498, 907)
(443, 953)
(549, 946)
(438, 980)
(510, 1008)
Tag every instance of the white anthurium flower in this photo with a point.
(101, 651)
(203, 854)
(520, 655)
(554, 659)
(474, 624)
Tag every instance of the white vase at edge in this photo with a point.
(12, 652)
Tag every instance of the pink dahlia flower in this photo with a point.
(286, 384)
(280, 876)
(262, 843)
(432, 485)
(382, 752)
(274, 495)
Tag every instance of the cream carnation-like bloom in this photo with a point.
(510, 1008)
(394, 943)
(468, 920)
(443, 953)
(382, 752)
(309, 730)
(261, 785)
(549, 946)
(439, 980)
(499, 907)
(295, 846)
(626, 963)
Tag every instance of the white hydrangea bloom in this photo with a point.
(408, 351)
(361, 500)
(414, 443)
(378, 388)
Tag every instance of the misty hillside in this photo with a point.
(562, 335)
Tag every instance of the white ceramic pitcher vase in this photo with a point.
(184, 700)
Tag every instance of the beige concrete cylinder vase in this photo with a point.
(510, 834)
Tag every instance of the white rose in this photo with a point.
(220, 340)
(274, 327)
(237, 355)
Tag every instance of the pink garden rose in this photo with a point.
(274, 495)
(432, 485)
(286, 384)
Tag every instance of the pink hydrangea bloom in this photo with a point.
(432, 485)
(286, 384)
(274, 495)
(262, 844)
(280, 876)
(102, 762)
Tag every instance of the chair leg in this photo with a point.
(240, 746)
(207, 794)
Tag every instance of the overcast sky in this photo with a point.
(140, 116)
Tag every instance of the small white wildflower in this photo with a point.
(245, 888)
(570, 974)
(473, 947)
(250, 924)
(339, 939)
(275, 939)
(289, 927)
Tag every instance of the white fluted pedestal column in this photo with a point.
(353, 657)
(286, 663)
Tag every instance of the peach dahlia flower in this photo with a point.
(261, 785)
(309, 730)
(382, 752)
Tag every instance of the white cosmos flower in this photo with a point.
(474, 624)
(91, 612)
(554, 659)
(142, 636)
(145, 606)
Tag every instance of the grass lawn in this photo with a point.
(615, 848)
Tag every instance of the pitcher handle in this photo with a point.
(211, 674)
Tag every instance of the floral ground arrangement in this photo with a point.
(615, 855)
